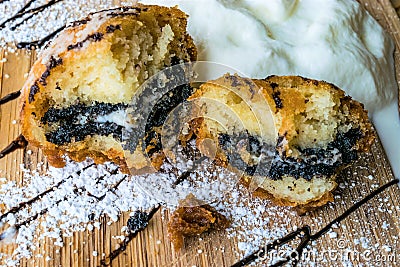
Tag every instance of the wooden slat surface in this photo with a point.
(152, 247)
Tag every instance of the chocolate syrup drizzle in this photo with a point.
(39, 43)
(112, 189)
(132, 234)
(10, 97)
(136, 229)
(22, 205)
(305, 235)
(45, 210)
(187, 173)
(25, 11)
(19, 14)
(19, 142)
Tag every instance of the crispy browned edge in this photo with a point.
(299, 208)
(292, 104)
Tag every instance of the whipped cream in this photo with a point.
(333, 40)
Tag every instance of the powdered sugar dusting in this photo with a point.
(75, 205)
(81, 193)
(257, 222)
(44, 22)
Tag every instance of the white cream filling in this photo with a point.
(118, 117)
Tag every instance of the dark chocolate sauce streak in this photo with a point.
(187, 173)
(142, 220)
(22, 205)
(18, 15)
(139, 221)
(19, 142)
(305, 235)
(17, 226)
(26, 11)
(10, 97)
(77, 191)
(112, 189)
(95, 37)
(15, 26)
(41, 42)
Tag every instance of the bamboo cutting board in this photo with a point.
(152, 247)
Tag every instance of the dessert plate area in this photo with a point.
(370, 236)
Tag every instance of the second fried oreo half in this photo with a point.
(290, 136)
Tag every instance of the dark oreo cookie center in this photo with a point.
(159, 114)
(313, 162)
(76, 122)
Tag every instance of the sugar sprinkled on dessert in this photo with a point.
(75, 206)
(43, 23)
(82, 193)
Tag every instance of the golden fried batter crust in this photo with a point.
(308, 116)
(102, 58)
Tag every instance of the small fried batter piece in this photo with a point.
(193, 217)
